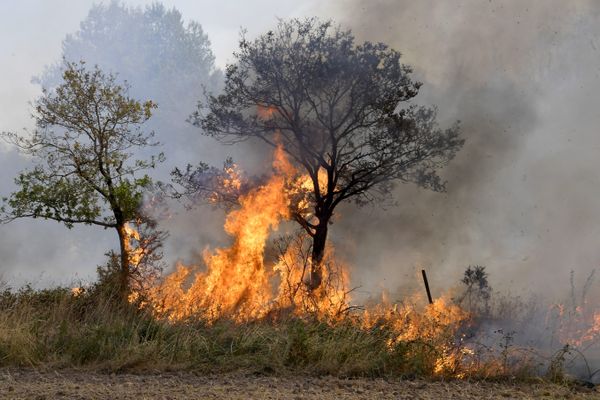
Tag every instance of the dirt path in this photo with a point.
(30, 384)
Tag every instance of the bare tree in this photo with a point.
(85, 172)
(340, 110)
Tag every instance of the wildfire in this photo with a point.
(577, 326)
(240, 283)
(237, 283)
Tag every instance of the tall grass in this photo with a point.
(55, 328)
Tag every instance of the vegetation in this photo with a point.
(92, 328)
(477, 290)
(160, 56)
(56, 328)
(340, 110)
(85, 172)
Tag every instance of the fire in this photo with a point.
(136, 252)
(328, 301)
(230, 185)
(237, 283)
(576, 326)
(240, 283)
(435, 326)
(265, 112)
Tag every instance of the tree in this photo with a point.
(477, 289)
(85, 173)
(163, 58)
(336, 108)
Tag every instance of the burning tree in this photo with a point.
(87, 128)
(335, 107)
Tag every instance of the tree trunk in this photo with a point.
(318, 252)
(124, 273)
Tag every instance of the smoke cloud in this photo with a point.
(522, 196)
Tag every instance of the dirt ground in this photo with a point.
(40, 385)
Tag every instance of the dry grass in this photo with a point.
(54, 330)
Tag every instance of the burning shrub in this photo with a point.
(329, 301)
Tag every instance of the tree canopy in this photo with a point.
(341, 111)
(162, 57)
(87, 129)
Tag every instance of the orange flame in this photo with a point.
(237, 284)
(577, 327)
(241, 284)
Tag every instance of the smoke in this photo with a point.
(523, 194)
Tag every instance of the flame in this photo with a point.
(265, 112)
(132, 244)
(241, 284)
(237, 283)
(435, 326)
(329, 301)
(575, 326)
(230, 185)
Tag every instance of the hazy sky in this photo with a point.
(523, 77)
(31, 33)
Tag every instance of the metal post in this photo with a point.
(427, 286)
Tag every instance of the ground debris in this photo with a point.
(31, 384)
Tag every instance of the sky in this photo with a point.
(521, 76)
(32, 32)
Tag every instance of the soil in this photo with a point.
(75, 384)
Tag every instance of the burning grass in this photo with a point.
(244, 311)
(58, 328)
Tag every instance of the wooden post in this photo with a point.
(427, 286)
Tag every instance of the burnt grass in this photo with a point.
(54, 342)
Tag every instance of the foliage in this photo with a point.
(87, 129)
(340, 110)
(333, 105)
(477, 290)
(160, 56)
(84, 172)
(151, 47)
